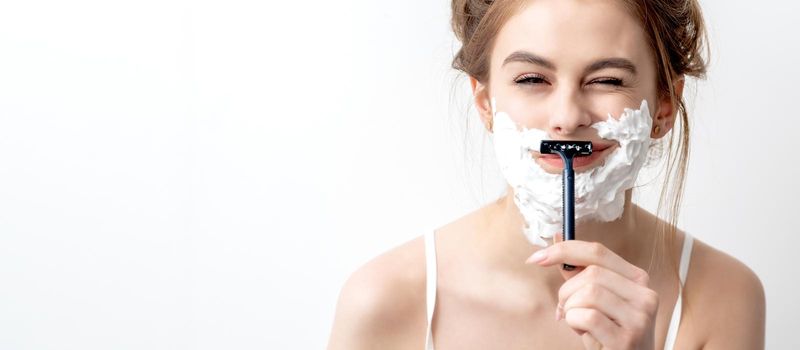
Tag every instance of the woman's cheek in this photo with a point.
(614, 104)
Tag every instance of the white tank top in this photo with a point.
(430, 285)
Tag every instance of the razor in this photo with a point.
(567, 150)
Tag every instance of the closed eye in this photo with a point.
(531, 80)
(607, 81)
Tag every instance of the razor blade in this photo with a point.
(566, 148)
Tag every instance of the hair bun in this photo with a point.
(467, 14)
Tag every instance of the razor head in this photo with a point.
(566, 148)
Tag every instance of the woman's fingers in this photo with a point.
(593, 296)
(602, 329)
(608, 301)
(590, 343)
(594, 322)
(639, 296)
(582, 253)
(623, 313)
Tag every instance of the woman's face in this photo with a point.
(562, 65)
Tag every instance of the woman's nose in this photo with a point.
(568, 114)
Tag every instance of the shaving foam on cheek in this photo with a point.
(599, 192)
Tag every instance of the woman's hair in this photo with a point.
(676, 34)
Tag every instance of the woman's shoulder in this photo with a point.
(382, 299)
(720, 278)
(725, 298)
(391, 280)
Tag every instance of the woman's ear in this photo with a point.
(664, 119)
(483, 103)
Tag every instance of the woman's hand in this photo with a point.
(608, 302)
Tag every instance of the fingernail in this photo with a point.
(537, 257)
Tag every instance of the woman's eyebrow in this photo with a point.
(531, 58)
(527, 57)
(614, 62)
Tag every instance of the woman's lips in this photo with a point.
(554, 162)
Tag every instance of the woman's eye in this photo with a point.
(607, 81)
(530, 80)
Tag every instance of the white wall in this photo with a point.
(205, 175)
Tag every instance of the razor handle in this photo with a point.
(568, 204)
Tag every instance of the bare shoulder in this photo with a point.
(382, 304)
(726, 300)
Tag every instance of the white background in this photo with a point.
(206, 174)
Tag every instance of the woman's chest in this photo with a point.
(482, 323)
(468, 322)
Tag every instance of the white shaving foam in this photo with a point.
(599, 192)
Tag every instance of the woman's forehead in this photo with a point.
(571, 33)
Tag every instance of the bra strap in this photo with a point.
(430, 283)
(674, 322)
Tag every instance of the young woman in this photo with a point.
(565, 67)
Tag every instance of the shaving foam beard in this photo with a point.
(599, 192)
